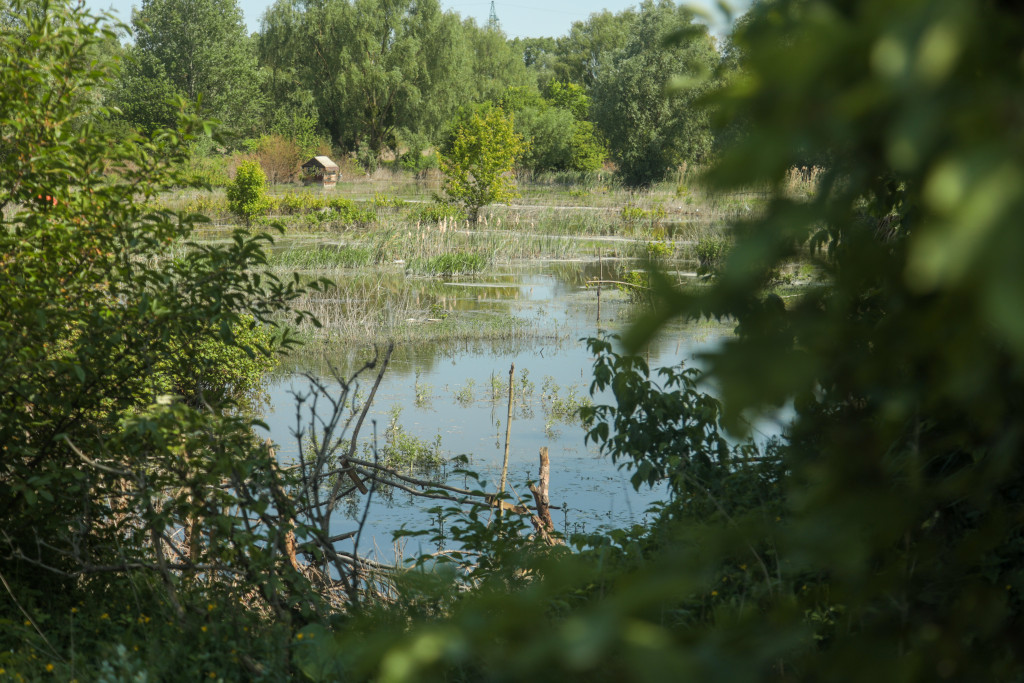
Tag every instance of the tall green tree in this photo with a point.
(144, 94)
(201, 48)
(291, 108)
(581, 54)
(495, 64)
(555, 128)
(375, 68)
(538, 56)
(647, 133)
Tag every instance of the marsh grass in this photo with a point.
(321, 257)
(373, 232)
(546, 199)
(450, 264)
(372, 306)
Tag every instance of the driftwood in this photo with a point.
(542, 521)
(540, 492)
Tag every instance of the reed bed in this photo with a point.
(373, 304)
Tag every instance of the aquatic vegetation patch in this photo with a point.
(452, 263)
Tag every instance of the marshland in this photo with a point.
(463, 302)
(369, 342)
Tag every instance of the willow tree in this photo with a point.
(376, 68)
(580, 54)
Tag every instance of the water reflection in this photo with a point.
(457, 388)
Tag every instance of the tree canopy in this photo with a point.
(200, 49)
(648, 133)
(376, 69)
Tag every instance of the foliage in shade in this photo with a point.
(124, 368)
(880, 538)
(666, 432)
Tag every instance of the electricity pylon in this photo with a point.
(492, 21)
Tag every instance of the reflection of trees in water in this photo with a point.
(477, 320)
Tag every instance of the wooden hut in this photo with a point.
(320, 170)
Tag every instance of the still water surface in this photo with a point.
(458, 390)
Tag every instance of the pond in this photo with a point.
(455, 392)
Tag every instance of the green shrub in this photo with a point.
(403, 451)
(125, 372)
(206, 165)
(295, 203)
(636, 284)
(209, 206)
(383, 201)
(660, 250)
(247, 194)
(348, 212)
(631, 213)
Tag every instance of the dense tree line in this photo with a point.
(389, 78)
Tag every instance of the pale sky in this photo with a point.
(523, 19)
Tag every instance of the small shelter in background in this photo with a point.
(320, 170)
